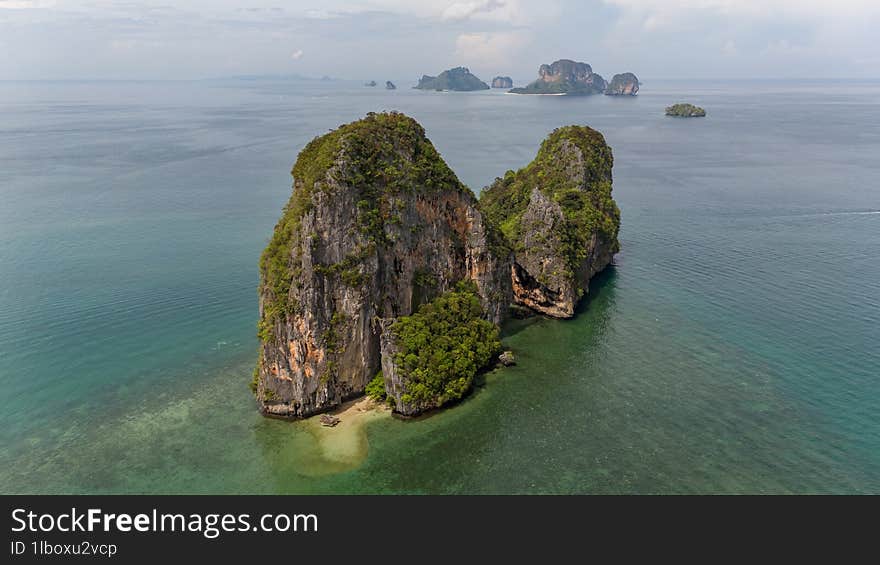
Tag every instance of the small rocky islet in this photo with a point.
(355, 297)
(685, 110)
(388, 84)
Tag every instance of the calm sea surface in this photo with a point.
(734, 347)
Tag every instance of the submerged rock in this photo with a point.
(502, 82)
(685, 111)
(507, 358)
(329, 421)
(389, 85)
(565, 77)
(377, 225)
(520, 312)
(626, 84)
(560, 219)
(458, 79)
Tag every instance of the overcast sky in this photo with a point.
(379, 39)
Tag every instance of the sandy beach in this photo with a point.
(344, 445)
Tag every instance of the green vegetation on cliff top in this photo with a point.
(443, 346)
(584, 194)
(378, 156)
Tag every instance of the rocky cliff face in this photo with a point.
(377, 225)
(626, 84)
(565, 70)
(565, 77)
(559, 217)
(458, 79)
(502, 82)
(539, 275)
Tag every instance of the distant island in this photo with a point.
(685, 111)
(370, 83)
(386, 275)
(502, 82)
(625, 84)
(565, 77)
(389, 85)
(457, 79)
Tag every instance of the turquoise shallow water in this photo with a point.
(733, 347)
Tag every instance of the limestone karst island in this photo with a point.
(575, 78)
(625, 84)
(458, 79)
(386, 272)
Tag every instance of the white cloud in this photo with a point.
(497, 49)
(297, 55)
(783, 47)
(25, 4)
(516, 12)
(768, 37)
(123, 44)
(464, 10)
(729, 48)
(749, 7)
(653, 22)
(321, 14)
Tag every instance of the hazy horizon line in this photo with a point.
(295, 76)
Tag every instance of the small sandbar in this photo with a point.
(343, 446)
